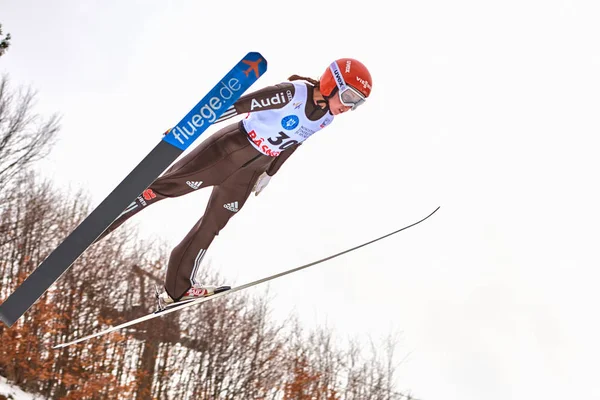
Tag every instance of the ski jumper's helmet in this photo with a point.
(350, 79)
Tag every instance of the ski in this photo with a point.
(195, 302)
(175, 141)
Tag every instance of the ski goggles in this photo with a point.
(348, 95)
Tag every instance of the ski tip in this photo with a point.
(433, 212)
(256, 56)
(253, 65)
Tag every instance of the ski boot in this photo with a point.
(195, 292)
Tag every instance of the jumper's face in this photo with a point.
(336, 107)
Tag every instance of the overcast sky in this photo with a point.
(487, 109)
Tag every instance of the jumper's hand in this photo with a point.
(261, 183)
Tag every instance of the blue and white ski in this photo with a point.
(222, 96)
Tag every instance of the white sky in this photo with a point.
(487, 109)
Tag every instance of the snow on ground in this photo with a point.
(14, 393)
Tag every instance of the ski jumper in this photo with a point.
(280, 118)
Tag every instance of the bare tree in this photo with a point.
(25, 137)
(4, 43)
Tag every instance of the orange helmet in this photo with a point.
(348, 77)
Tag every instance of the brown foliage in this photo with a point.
(226, 349)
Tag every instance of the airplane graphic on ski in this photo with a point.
(253, 66)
